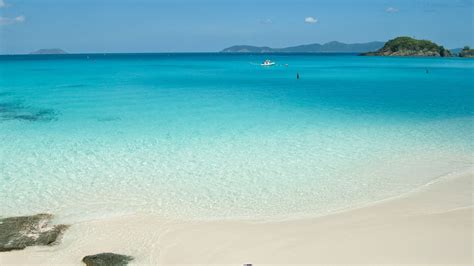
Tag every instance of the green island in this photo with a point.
(466, 52)
(407, 46)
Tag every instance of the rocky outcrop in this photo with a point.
(407, 46)
(107, 259)
(23, 231)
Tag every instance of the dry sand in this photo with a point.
(432, 225)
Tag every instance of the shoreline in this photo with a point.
(430, 224)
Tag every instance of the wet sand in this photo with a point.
(432, 224)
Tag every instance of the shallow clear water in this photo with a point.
(218, 136)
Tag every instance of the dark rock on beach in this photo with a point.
(107, 259)
(23, 231)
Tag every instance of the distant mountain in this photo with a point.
(407, 46)
(456, 50)
(49, 51)
(330, 47)
(247, 49)
(463, 52)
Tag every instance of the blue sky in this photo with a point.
(211, 25)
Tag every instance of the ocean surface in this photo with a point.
(217, 136)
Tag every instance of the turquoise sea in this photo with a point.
(211, 136)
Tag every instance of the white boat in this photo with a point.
(268, 63)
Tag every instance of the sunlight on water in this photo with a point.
(218, 136)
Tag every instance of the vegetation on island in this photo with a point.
(466, 52)
(407, 46)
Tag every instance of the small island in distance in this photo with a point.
(400, 46)
(466, 52)
(330, 47)
(49, 51)
(407, 46)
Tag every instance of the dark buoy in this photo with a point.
(427, 71)
(297, 75)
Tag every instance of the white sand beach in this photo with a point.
(431, 225)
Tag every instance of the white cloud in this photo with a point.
(266, 21)
(8, 21)
(392, 10)
(310, 20)
(19, 19)
(2, 3)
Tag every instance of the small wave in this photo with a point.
(108, 118)
(71, 86)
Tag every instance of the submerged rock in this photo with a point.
(17, 111)
(41, 115)
(23, 231)
(107, 259)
